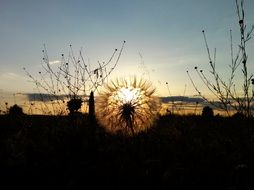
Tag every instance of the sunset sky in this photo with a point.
(167, 33)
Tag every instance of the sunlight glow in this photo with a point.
(128, 94)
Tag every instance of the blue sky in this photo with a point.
(167, 33)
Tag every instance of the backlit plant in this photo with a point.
(127, 106)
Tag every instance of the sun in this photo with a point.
(128, 94)
(127, 106)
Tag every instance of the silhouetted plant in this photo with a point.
(74, 105)
(172, 102)
(73, 78)
(225, 91)
(15, 110)
(207, 112)
(127, 105)
(176, 106)
(6, 106)
(91, 111)
(238, 115)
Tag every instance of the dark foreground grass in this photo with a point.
(179, 152)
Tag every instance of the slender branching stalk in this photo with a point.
(225, 90)
(73, 77)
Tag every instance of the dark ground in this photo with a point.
(179, 152)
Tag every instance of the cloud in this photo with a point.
(9, 75)
(54, 62)
(181, 99)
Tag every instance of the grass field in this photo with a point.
(178, 152)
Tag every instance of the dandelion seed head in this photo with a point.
(127, 106)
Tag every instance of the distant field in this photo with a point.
(182, 105)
